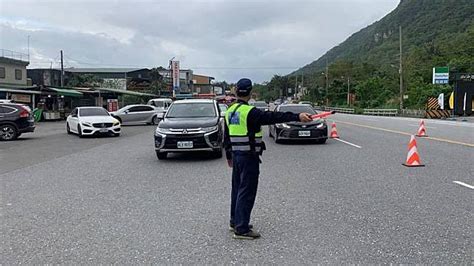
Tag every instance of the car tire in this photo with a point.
(116, 134)
(8, 132)
(161, 155)
(68, 129)
(155, 120)
(79, 131)
(321, 141)
(217, 153)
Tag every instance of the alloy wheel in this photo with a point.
(7, 132)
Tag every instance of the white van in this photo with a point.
(161, 105)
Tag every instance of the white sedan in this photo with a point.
(88, 121)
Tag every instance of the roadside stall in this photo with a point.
(57, 103)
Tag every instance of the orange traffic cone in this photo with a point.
(422, 130)
(413, 159)
(334, 134)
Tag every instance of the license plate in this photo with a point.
(185, 144)
(304, 133)
(103, 130)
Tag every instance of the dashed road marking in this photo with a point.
(348, 143)
(463, 184)
(407, 134)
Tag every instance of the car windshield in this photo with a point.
(223, 107)
(182, 110)
(297, 109)
(259, 104)
(93, 112)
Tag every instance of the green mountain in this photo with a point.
(435, 33)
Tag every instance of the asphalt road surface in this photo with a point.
(109, 200)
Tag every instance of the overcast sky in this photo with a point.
(227, 39)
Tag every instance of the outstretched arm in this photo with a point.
(262, 118)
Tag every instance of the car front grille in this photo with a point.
(102, 125)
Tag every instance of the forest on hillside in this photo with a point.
(434, 34)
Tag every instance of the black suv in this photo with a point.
(15, 119)
(190, 125)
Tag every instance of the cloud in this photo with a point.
(226, 39)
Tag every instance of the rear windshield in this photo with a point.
(93, 112)
(297, 109)
(259, 104)
(182, 110)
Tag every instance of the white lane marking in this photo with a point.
(431, 121)
(463, 184)
(425, 126)
(348, 143)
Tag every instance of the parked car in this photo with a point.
(306, 102)
(188, 126)
(277, 102)
(6, 101)
(15, 119)
(137, 113)
(88, 121)
(161, 104)
(316, 130)
(260, 105)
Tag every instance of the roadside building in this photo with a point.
(204, 85)
(14, 84)
(13, 69)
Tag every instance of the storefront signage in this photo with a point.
(21, 98)
(175, 73)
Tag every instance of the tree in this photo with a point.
(85, 80)
(157, 83)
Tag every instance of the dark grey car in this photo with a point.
(137, 113)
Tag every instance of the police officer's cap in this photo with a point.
(244, 86)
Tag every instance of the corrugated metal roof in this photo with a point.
(102, 70)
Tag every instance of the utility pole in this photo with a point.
(401, 71)
(348, 92)
(62, 70)
(302, 84)
(28, 48)
(327, 82)
(296, 85)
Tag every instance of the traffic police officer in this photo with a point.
(243, 144)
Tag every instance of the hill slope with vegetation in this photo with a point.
(434, 33)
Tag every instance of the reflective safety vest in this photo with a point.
(236, 120)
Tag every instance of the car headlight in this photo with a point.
(282, 125)
(86, 124)
(320, 125)
(209, 129)
(162, 130)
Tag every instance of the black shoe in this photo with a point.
(232, 227)
(250, 235)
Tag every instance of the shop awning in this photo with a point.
(135, 93)
(19, 91)
(67, 92)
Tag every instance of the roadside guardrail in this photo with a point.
(413, 113)
(337, 109)
(381, 112)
